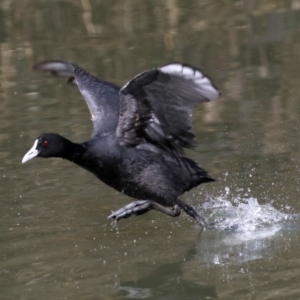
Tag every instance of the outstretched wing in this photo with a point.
(101, 97)
(156, 106)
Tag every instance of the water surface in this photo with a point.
(56, 241)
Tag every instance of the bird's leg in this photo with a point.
(191, 212)
(141, 207)
(175, 211)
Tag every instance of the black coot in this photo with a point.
(139, 132)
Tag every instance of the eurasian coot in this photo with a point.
(139, 132)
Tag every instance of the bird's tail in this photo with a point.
(195, 174)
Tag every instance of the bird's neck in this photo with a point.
(71, 151)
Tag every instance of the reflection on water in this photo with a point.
(55, 238)
(163, 283)
(260, 232)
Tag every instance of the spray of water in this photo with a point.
(248, 230)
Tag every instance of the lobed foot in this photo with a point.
(140, 207)
(136, 207)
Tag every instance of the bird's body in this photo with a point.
(138, 135)
(139, 173)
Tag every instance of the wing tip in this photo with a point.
(39, 66)
(55, 67)
(49, 65)
(200, 79)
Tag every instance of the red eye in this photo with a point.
(45, 143)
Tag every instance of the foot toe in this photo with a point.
(132, 208)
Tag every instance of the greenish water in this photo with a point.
(56, 241)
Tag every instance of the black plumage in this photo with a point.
(139, 135)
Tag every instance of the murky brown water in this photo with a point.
(56, 242)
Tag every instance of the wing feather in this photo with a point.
(101, 97)
(157, 105)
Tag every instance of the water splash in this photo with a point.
(246, 215)
(257, 229)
